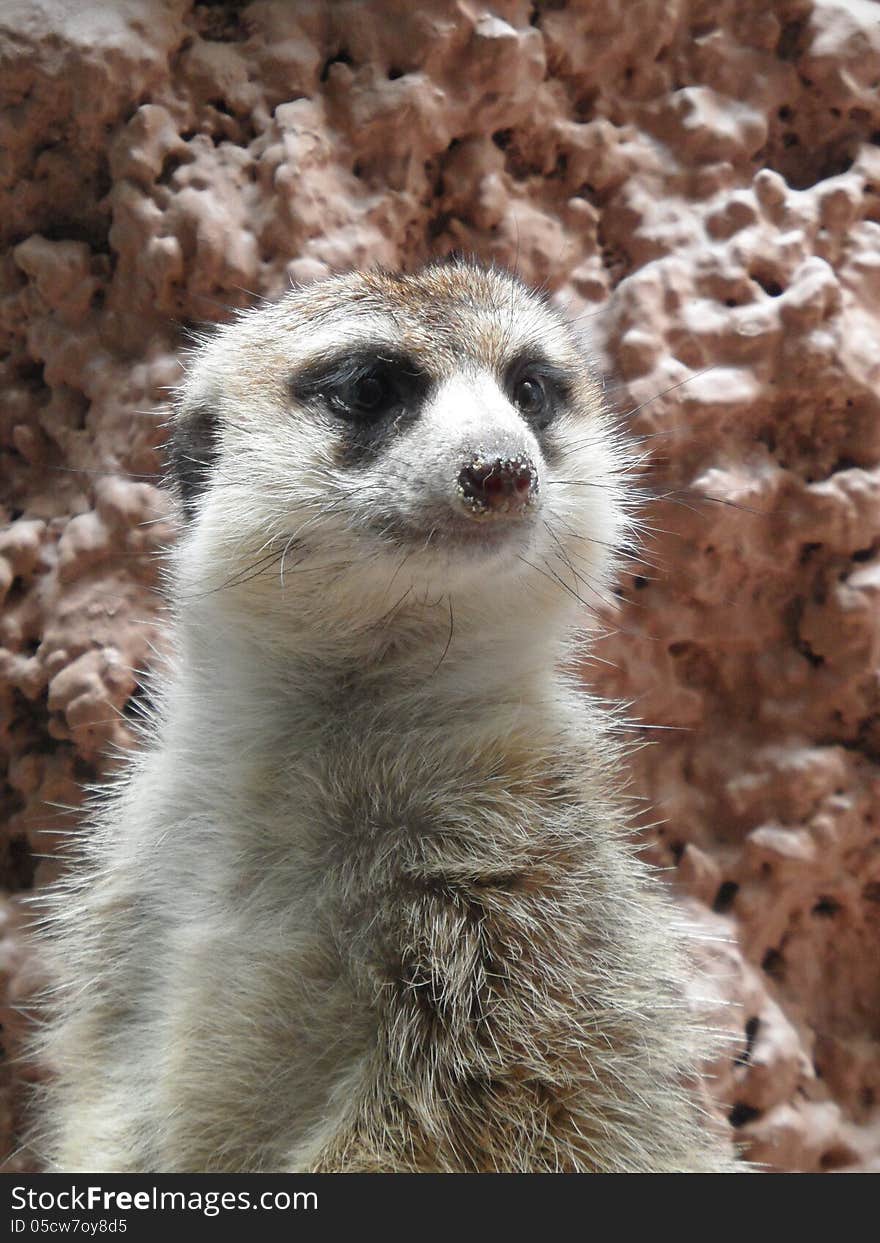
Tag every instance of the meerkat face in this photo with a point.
(377, 437)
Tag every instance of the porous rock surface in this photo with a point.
(700, 182)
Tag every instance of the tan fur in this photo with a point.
(366, 900)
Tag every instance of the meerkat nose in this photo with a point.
(498, 485)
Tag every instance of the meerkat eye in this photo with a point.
(538, 387)
(533, 400)
(362, 386)
(371, 394)
(367, 396)
(530, 395)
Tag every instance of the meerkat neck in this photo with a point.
(226, 681)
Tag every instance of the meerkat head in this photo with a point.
(379, 443)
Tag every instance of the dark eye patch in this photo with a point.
(363, 384)
(368, 391)
(539, 388)
(192, 452)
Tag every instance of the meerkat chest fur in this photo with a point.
(401, 927)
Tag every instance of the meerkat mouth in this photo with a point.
(460, 534)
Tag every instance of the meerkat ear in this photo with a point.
(191, 451)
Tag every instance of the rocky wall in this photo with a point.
(699, 182)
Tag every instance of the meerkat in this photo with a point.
(367, 900)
